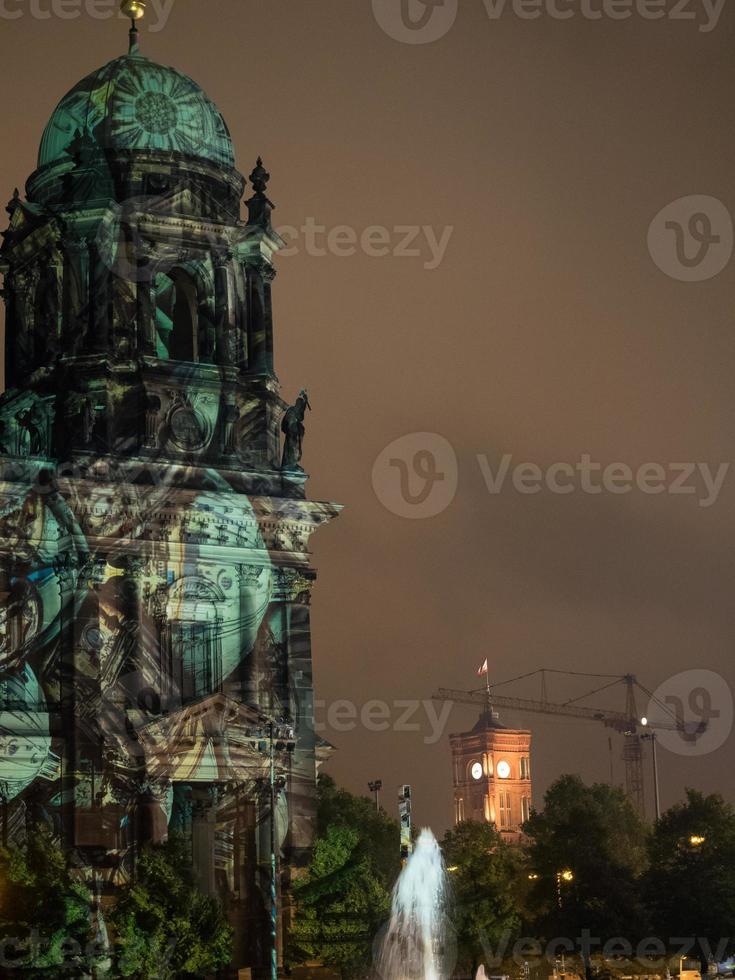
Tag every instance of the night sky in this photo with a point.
(545, 331)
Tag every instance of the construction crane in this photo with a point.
(627, 722)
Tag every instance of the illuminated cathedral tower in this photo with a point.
(154, 571)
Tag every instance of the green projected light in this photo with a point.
(135, 104)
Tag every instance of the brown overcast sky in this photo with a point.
(546, 332)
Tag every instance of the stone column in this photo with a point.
(231, 416)
(76, 294)
(99, 301)
(293, 593)
(146, 316)
(152, 412)
(65, 568)
(224, 308)
(8, 295)
(204, 823)
(269, 274)
(56, 300)
(241, 308)
(256, 321)
(26, 284)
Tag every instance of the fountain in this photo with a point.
(418, 943)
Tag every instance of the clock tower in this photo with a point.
(492, 775)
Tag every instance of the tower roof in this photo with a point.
(132, 103)
(489, 719)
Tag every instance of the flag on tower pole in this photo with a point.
(483, 672)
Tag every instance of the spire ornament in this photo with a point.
(14, 203)
(135, 10)
(259, 205)
(259, 177)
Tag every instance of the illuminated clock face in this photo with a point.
(503, 770)
(476, 770)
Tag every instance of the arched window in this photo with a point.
(191, 641)
(176, 316)
(193, 658)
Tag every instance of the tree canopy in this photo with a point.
(45, 914)
(164, 926)
(484, 872)
(586, 852)
(688, 885)
(344, 897)
(587, 869)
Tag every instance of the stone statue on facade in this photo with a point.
(292, 427)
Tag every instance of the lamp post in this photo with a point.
(280, 739)
(274, 868)
(375, 787)
(4, 796)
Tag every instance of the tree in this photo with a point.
(689, 884)
(344, 897)
(163, 925)
(586, 854)
(379, 834)
(45, 915)
(483, 875)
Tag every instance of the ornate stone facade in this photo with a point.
(154, 566)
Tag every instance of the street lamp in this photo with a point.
(696, 840)
(281, 740)
(375, 787)
(275, 739)
(564, 875)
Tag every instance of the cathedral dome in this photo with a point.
(133, 103)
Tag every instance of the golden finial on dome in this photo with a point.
(134, 9)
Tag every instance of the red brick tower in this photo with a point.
(492, 775)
